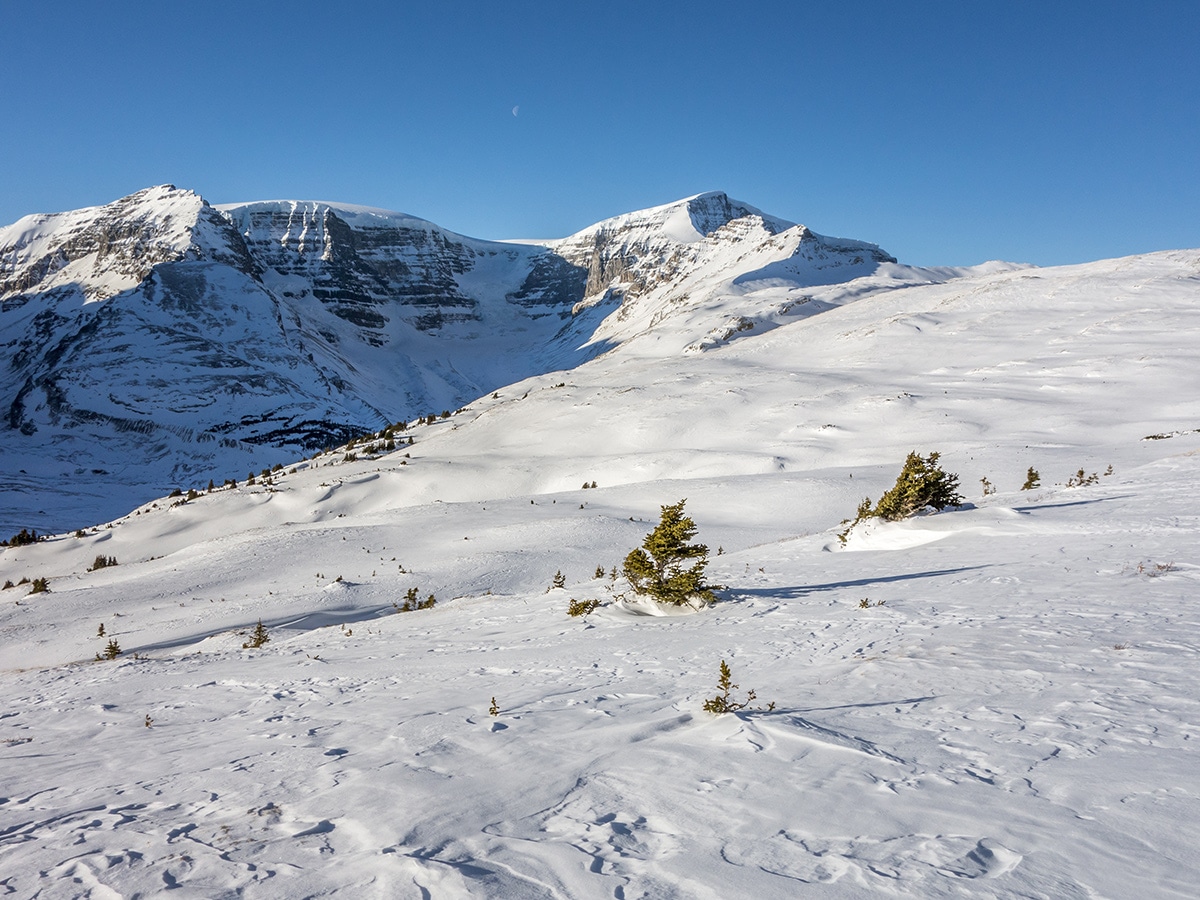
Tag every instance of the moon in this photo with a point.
(516, 109)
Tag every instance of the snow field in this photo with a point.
(1011, 714)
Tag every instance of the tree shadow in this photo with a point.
(798, 591)
(1031, 509)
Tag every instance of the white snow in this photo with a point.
(1014, 712)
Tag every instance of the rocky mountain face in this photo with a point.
(160, 341)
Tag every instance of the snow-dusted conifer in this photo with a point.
(657, 568)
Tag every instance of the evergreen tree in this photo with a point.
(658, 568)
(921, 483)
(258, 637)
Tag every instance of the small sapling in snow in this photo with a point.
(258, 637)
(493, 710)
(1079, 479)
(111, 651)
(722, 702)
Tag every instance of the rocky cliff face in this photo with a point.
(363, 266)
(158, 340)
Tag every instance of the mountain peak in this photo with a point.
(714, 209)
(683, 221)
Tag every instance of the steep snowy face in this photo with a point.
(682, 257)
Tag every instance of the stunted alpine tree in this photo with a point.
(660, 567)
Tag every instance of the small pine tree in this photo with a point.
(921, 483)
(599, 572)
(39, 586)
(100, 630)
(493, 710)
(258, 637)
(560, 580)
(582, 607)
(722, 702)
(1032, 479)
(657, 568)
(111, 650)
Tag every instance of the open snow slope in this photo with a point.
(1014, 712)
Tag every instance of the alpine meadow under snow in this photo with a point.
(1000, 699)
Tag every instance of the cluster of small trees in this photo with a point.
(22, 538)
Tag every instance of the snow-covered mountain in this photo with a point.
(159, 341)
(1000, 700)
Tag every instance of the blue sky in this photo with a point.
(946, 132)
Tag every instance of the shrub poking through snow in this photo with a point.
(658, 568)
(722, 702)
(493, 710)
(412, 604)
(103, 562)
(559, 582)
(1032, 479)
(1079, 479)
(258, 637)
(111, 650)
(39, 586)
(599, 572)
(582, 607)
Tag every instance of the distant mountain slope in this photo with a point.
(160, 341)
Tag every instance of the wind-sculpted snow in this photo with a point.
(999, 700)
(159, 341)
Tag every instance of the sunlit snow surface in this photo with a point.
(1014, 714)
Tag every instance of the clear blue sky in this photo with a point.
(947, 132)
